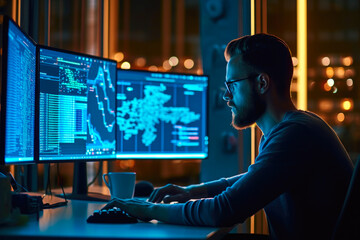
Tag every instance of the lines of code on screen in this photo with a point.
(77, 106)
(161, 115)
(20, 97)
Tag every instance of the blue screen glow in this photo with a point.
(20, 97)
(161, 115)
(77, 106)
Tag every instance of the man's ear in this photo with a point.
(263, 83)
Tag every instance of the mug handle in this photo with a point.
(106, 182)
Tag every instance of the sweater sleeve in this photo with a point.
(234, 205)
(278, 167)
(218, 186)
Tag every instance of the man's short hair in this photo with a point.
(268, 54)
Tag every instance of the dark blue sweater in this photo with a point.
(300, 178)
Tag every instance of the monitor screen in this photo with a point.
(161, 115)
(18, 96)
(77, 106)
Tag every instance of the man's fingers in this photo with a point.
(158, 195)
(173, 198)
(109, 206)
(181, 198)
(153, 195)
(113, 203)
(163, 194)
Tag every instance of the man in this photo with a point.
(301, 174)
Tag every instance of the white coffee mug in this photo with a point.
(120, 184)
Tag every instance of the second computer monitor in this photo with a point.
(77, 106)
(161, 115)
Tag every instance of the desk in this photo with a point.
(69, 222)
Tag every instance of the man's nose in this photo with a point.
(227, 95)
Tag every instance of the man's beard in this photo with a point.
(249, 112)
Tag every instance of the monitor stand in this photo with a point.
(80, 188)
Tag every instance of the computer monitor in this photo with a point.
(18, 95)
(161, 115)
(77, 110)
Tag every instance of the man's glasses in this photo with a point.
(229, 83)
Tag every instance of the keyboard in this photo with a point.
(114, 215)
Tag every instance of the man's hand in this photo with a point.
(170, 193)
(136, 208)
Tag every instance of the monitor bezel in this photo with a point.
(4, 89)
(175, 156)
(48, 160)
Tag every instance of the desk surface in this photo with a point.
(70, 222)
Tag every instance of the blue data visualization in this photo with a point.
(161, 115)
(19, 96)
(77, 106)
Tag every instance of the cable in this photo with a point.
(58, 204)
(15, 184)
(48, 184)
